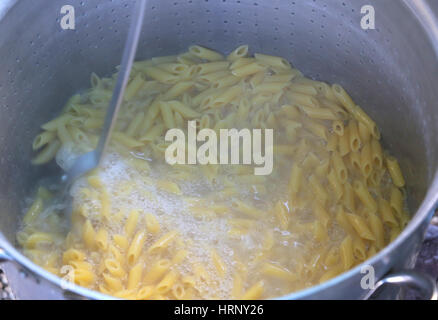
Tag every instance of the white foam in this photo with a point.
(204, 233)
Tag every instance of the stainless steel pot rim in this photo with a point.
(430, 24)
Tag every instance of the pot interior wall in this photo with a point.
(389, 71)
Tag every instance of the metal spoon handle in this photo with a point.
(122, 78)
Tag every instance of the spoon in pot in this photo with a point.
(91, 160)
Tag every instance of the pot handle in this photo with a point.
(418, 280)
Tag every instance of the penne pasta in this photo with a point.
(210, 225)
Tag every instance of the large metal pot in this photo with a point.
(392, 72)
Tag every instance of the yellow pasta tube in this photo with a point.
(386, 213)
(204, 53)
(321, 114)
(134, 276)
(271, 87)
(153, 133)
(339, 167)
(278, 272)
(256, 79)
(247, 209)
(304, 89)
(364, 196)
(377, 154)
(88, 234)
(182, 109)
(355, 160)
(54, 124)
(83, 277)
(72, 255)
(295, 179)
(337, 109)
(136, 247)
(335, 184)
(361, 116)
(396, 201)
(102, 239)
(131, 223)
(342, 96)
(218, 263)
(163, 242)
(152, 224)
(321, 214)
(179, 257)
(156, 272)
(145, 293)
(64, 135)
(112, 283)
(394, 171)
(178, 291)
(174, 68)
(238, 53)
(114, 267)
(344, 143)
(135, 124)
(34, 211)
(169, 186)
(338, 127)
(133, 87)
(105, 204)
(112, 250)
(359, 224)
(376, 226)
(364, 132)
(227, 96)
(282, 215)
(160, 75)
(319, 231)
(332, 142)
(241, 62)
(272, 61)
(150, 116)
(211, 77)
(38, 238)
(255, 292)
(322, 170)
(166, 283)
(348, 197)
(247, 70)
(354, 137)
(126, 140)
(43, 139)
(346, 251)
(359, 249)
(211, 67)
(303, 100)
(366, 161)
(236, 292)
(343, 221)
(121, 241)
(48, 153)
(317, 129)
(167, 115)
